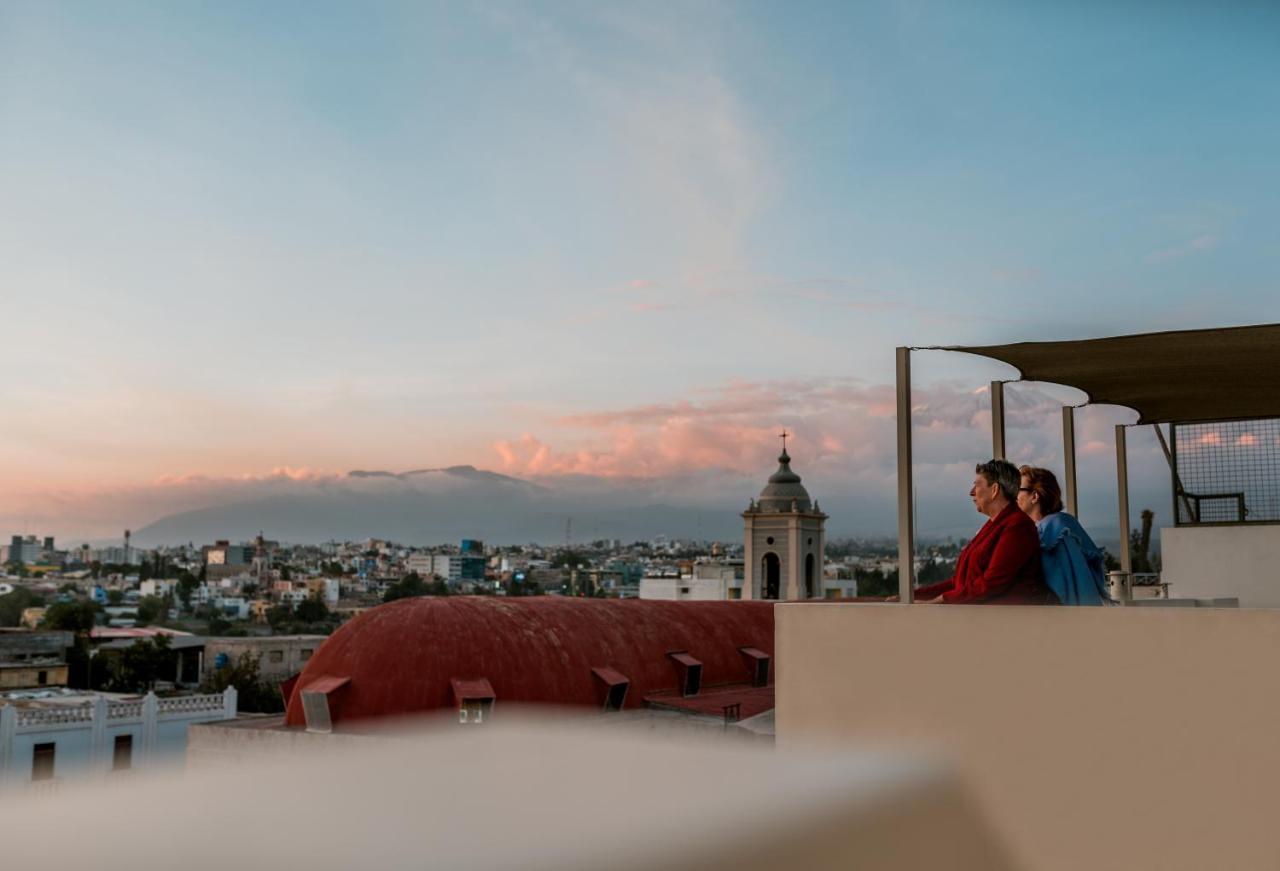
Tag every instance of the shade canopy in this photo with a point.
(1230, 373)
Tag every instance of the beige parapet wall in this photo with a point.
(1241, 561)
(1094, 738)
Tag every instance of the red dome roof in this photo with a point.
(401, 658)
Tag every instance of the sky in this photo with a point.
(248, 243)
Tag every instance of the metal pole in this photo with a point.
(997, 420)
(906, 515)
(1069, 459)
(1122, 482)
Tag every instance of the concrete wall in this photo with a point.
(1215, 561)
(1093, 737)
(282, 655)
(28, 676)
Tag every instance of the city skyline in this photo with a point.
(599, 247)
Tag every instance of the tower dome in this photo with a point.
(783, 489)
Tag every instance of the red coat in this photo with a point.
(1001, 564)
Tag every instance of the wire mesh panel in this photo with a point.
(1227, 472)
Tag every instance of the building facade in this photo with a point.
(56, 737)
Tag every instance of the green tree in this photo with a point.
(77, 616)
(115, 597)
(187, 586)
(137, 668)
(254, 694)
(313, 610)
(278, 615)
(151, 609)
(407, 587)
(16, 568)
(13, 604)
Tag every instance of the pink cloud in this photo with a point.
(837, 424)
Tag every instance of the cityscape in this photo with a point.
(561, 436)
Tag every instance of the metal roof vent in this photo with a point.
(315, 702)
(615, 685)
(757, 665)
(690, 672)
(474, 698)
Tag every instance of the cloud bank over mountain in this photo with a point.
(682, 469)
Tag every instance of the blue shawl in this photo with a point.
(1073, 566)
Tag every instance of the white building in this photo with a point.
(56, 735)
(441, 564)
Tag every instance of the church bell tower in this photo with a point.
(785, 539)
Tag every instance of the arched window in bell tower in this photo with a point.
(771, 573)
(808, 576)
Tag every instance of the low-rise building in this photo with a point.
(57, 734)
(33, 659)
(279, 656)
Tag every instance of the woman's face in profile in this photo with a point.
(1026, 498)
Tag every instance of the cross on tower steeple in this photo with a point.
(784, 440)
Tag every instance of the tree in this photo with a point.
(277, 615)
(137, 668)
(187, 585)
(151, 609)
(313, 610)
(409, 586)
(873, 583)
(79, 617)
(16, 568)
(254, 695)
(115, 597)
(13, 604)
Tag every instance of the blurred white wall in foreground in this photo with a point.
(515, 796)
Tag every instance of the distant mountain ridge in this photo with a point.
(429, 506)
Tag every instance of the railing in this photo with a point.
(190, 704)
(124, 710)
(1194, 506)
(1226, 472)
(32, 718)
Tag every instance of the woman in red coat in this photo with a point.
(1001, 564)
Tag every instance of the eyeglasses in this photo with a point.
(1026, 490)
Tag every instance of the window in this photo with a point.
(42, 678)
(276, 656)
(42, 761)
(306, 653)
(122, 753)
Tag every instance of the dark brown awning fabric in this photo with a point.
(1229, 373)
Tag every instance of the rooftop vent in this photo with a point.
(757, 665)
(315, 702)
(615, 685)
(474, 698)
(690, 672)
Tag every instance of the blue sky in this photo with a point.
(251, 237)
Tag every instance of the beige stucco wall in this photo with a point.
(1093, 737)
(1214, 561)
(27, 676)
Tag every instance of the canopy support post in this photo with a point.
(1122, 481)
(906, 513)
(1069, 459)
(997, 420)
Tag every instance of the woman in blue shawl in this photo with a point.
(1073, 566)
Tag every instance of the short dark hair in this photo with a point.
(1003, 473)
(1045, 485)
